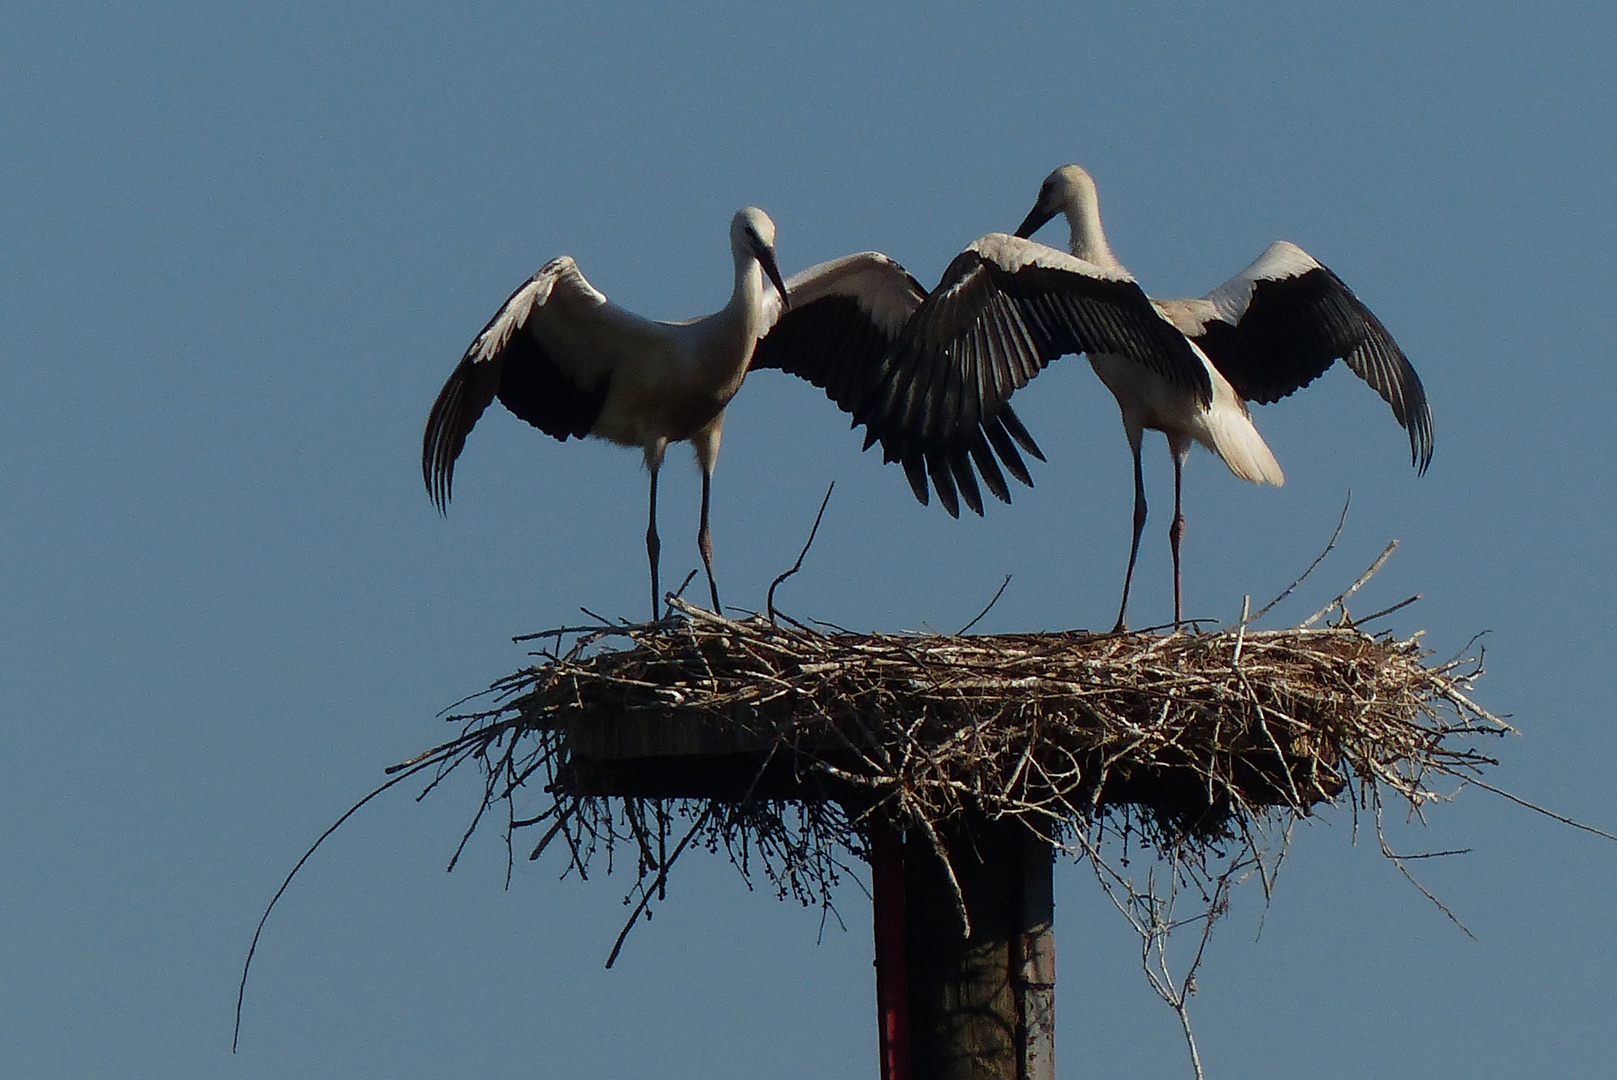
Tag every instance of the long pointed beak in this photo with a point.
(1031, 224)
(766, 259)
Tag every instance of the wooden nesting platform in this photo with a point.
(1195, 729)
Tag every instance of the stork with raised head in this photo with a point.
(935, 387)
(1264, 334)
(561, 356)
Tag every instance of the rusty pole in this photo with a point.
(982, 1005)
(892, 976)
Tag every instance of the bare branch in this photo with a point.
(1002, 585)
(1341, 601)
(1537, 809)
(1329, 544)
(769, 598)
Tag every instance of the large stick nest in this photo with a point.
(776, 742)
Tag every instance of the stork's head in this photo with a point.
(1063, 191)
(752, 235)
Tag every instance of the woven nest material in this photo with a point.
(776, 742)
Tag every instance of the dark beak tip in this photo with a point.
(1032, 223)
(772, 271)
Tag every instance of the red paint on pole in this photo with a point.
(892, 964)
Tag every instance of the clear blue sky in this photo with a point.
(241, 250)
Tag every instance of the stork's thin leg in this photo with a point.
(653, 546)
(1134, 548)
(704, 543)
(1176, 533)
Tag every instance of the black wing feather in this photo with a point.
(941, 394)
(1006, 449)
(831, 342)
(1296, 327)
(525, 379)
(460, 404)
(540, 392)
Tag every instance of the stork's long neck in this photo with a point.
(1088, 238)
(725, 339)
(746, 305)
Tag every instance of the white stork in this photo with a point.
(561, 356)
(1267, 332)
